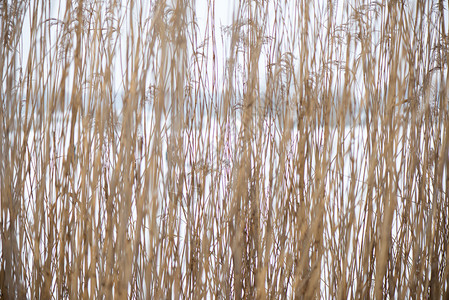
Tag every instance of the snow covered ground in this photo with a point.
(211, 149)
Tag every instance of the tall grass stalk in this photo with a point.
(151, 150)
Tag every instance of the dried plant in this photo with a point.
(149, 151)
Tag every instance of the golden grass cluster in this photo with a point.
(148, 151)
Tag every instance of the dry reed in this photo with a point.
(300, 151)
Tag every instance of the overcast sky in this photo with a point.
(225, 13)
